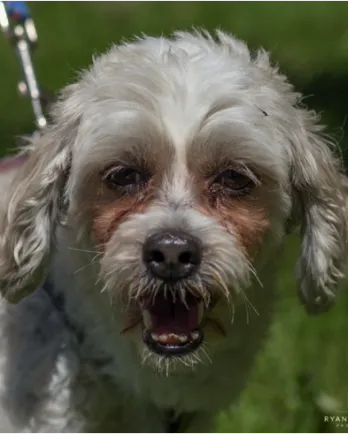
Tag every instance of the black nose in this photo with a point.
(172, 256)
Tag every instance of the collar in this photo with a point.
(173, 421)
(58, 302)
(177, 424)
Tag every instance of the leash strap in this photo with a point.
(58, 302)
(19, 28)
(173, 422)
(178, 424)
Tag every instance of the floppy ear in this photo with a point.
(320, 190)
(36, 202)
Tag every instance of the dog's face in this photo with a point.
(182, 163)
(183, 194)
(181, 220)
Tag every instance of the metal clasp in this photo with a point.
(18, 27)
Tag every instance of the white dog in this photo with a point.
(140, 243)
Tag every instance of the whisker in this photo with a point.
(146, 355)
(218, 279)
(167, 367)
(98, 279)
(197, 357)
(93, 261)
(85, 251)
(246, 309)
(205, 353)
(254, 273)
(233, 307)
(183, 361)
(104, 288)
(183, 297)
(250, 303)
(247, 304)
(173, 292)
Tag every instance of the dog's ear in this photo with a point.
(36, 202)
(320, 199)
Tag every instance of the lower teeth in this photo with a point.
(194, 335)
(170, 337)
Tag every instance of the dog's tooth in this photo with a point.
(147, 319)
(182, 338)
(194, 335)
(163, 337)
(200, 311)
(154, 336)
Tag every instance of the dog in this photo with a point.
(143, 232)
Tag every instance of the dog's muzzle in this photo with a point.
(172, 321)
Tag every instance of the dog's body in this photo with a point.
(185, 152)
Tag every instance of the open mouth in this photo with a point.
(171, 326)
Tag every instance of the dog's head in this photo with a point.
(183, 163)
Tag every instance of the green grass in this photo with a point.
(302, 371)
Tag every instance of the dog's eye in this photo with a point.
(124, 177)
(235, 182)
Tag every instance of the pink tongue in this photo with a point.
(174, 317)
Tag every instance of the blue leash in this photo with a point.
(17, 10)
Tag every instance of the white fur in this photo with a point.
(176, 101)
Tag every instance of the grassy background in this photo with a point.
(302, 374)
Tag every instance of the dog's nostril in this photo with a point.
(157, 256)
(172, 256)
(185, 258)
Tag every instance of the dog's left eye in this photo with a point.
(124, 177)
(234, 181)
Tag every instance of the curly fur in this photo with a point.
(177, 106)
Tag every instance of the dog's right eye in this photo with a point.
(124, 177)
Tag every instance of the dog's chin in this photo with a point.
(173, 325)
